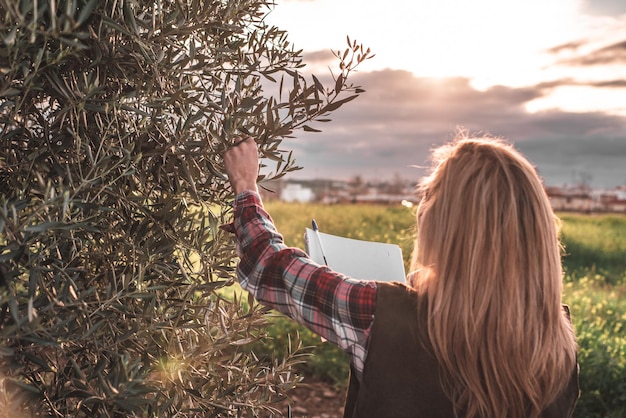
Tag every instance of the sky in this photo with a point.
(548, 75)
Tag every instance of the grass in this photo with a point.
(599, 316)
(595, 243)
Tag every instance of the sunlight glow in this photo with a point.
(490, 41)
(582, 99)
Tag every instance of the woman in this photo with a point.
(479, 331)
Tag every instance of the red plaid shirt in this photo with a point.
(336, 307)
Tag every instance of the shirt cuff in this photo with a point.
(247, 198)
(244, 199)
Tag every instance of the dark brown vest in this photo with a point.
(401, 376)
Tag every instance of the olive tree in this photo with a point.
(113, 118)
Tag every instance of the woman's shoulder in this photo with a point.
(397, 297)
(396, 289)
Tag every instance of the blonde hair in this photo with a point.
(487, 256)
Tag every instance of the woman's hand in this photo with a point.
(242, 165)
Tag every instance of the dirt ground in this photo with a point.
(315, 399)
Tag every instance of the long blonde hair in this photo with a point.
(487, 258)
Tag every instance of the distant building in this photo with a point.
(579, 198)
(614, 200)
(583, 199)
(570, 199)
(293, 192)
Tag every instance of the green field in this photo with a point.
(595, 289)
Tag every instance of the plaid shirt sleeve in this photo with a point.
(338, 308)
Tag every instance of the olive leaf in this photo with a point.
(116, 296)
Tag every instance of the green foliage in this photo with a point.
(596, 243)
(599, 315)
(323, 361)
(597, 301)
(113, 118)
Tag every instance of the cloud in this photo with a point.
(400, 117)
(604, 7)
(611, 83)
(611, 54)
(567, 47)
(396, 101)
(599, 161)
(323, 57)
